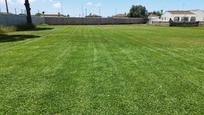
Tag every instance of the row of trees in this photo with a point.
(139, 11)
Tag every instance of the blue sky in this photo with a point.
(103, 7)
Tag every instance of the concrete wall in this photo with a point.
(201, 23)
(18, 20)
(160, 23)
(12, 19)
(166, 23)
(153, 19)
(38, 20)
(92, 21)
(21, 20)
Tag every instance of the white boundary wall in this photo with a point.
(92, 21)
(6, 19)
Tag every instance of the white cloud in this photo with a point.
(16, 1)
(57, 5)
(3, 1)
(98, 4)
(21, 1)
(54, 3)
(91, 4)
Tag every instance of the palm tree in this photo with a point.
(27, 5)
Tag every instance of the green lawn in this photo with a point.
(90, 70)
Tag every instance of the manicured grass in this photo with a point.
(130, 69)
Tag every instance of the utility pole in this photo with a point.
(15, 11)
(116, 11)
(22, 12)
(99, 11)
(85, 12)
(82, 11)
(7, 9)
(62, 9)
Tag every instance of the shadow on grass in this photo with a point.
(31, 28)
(14, 38)
(40, 29)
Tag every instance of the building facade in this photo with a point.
(183, 16)
(199, 15)
(153, 18)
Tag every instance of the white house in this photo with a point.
(199, 14)
(153, 18)
(183, 16)
(179, 16)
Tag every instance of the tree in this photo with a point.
(38, 14)
(7, 9)
(29, 18)
(138, 11)
(158, 13)
(93, 16)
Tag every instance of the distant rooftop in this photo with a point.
(197, 10)
(153, 15)
(120, 16)
(53, 15)
(181, 12)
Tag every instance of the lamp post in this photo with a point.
(7, 9)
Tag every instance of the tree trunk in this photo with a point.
(29, 19)
(7, 9)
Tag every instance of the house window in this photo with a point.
(184, 19)
(193, 19)
(176, 19)
(163, 18)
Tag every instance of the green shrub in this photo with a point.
(1, 31)
(5, 29)
(43, 25)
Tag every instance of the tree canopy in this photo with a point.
(93, 16)
(158, 13)
(138, 11)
